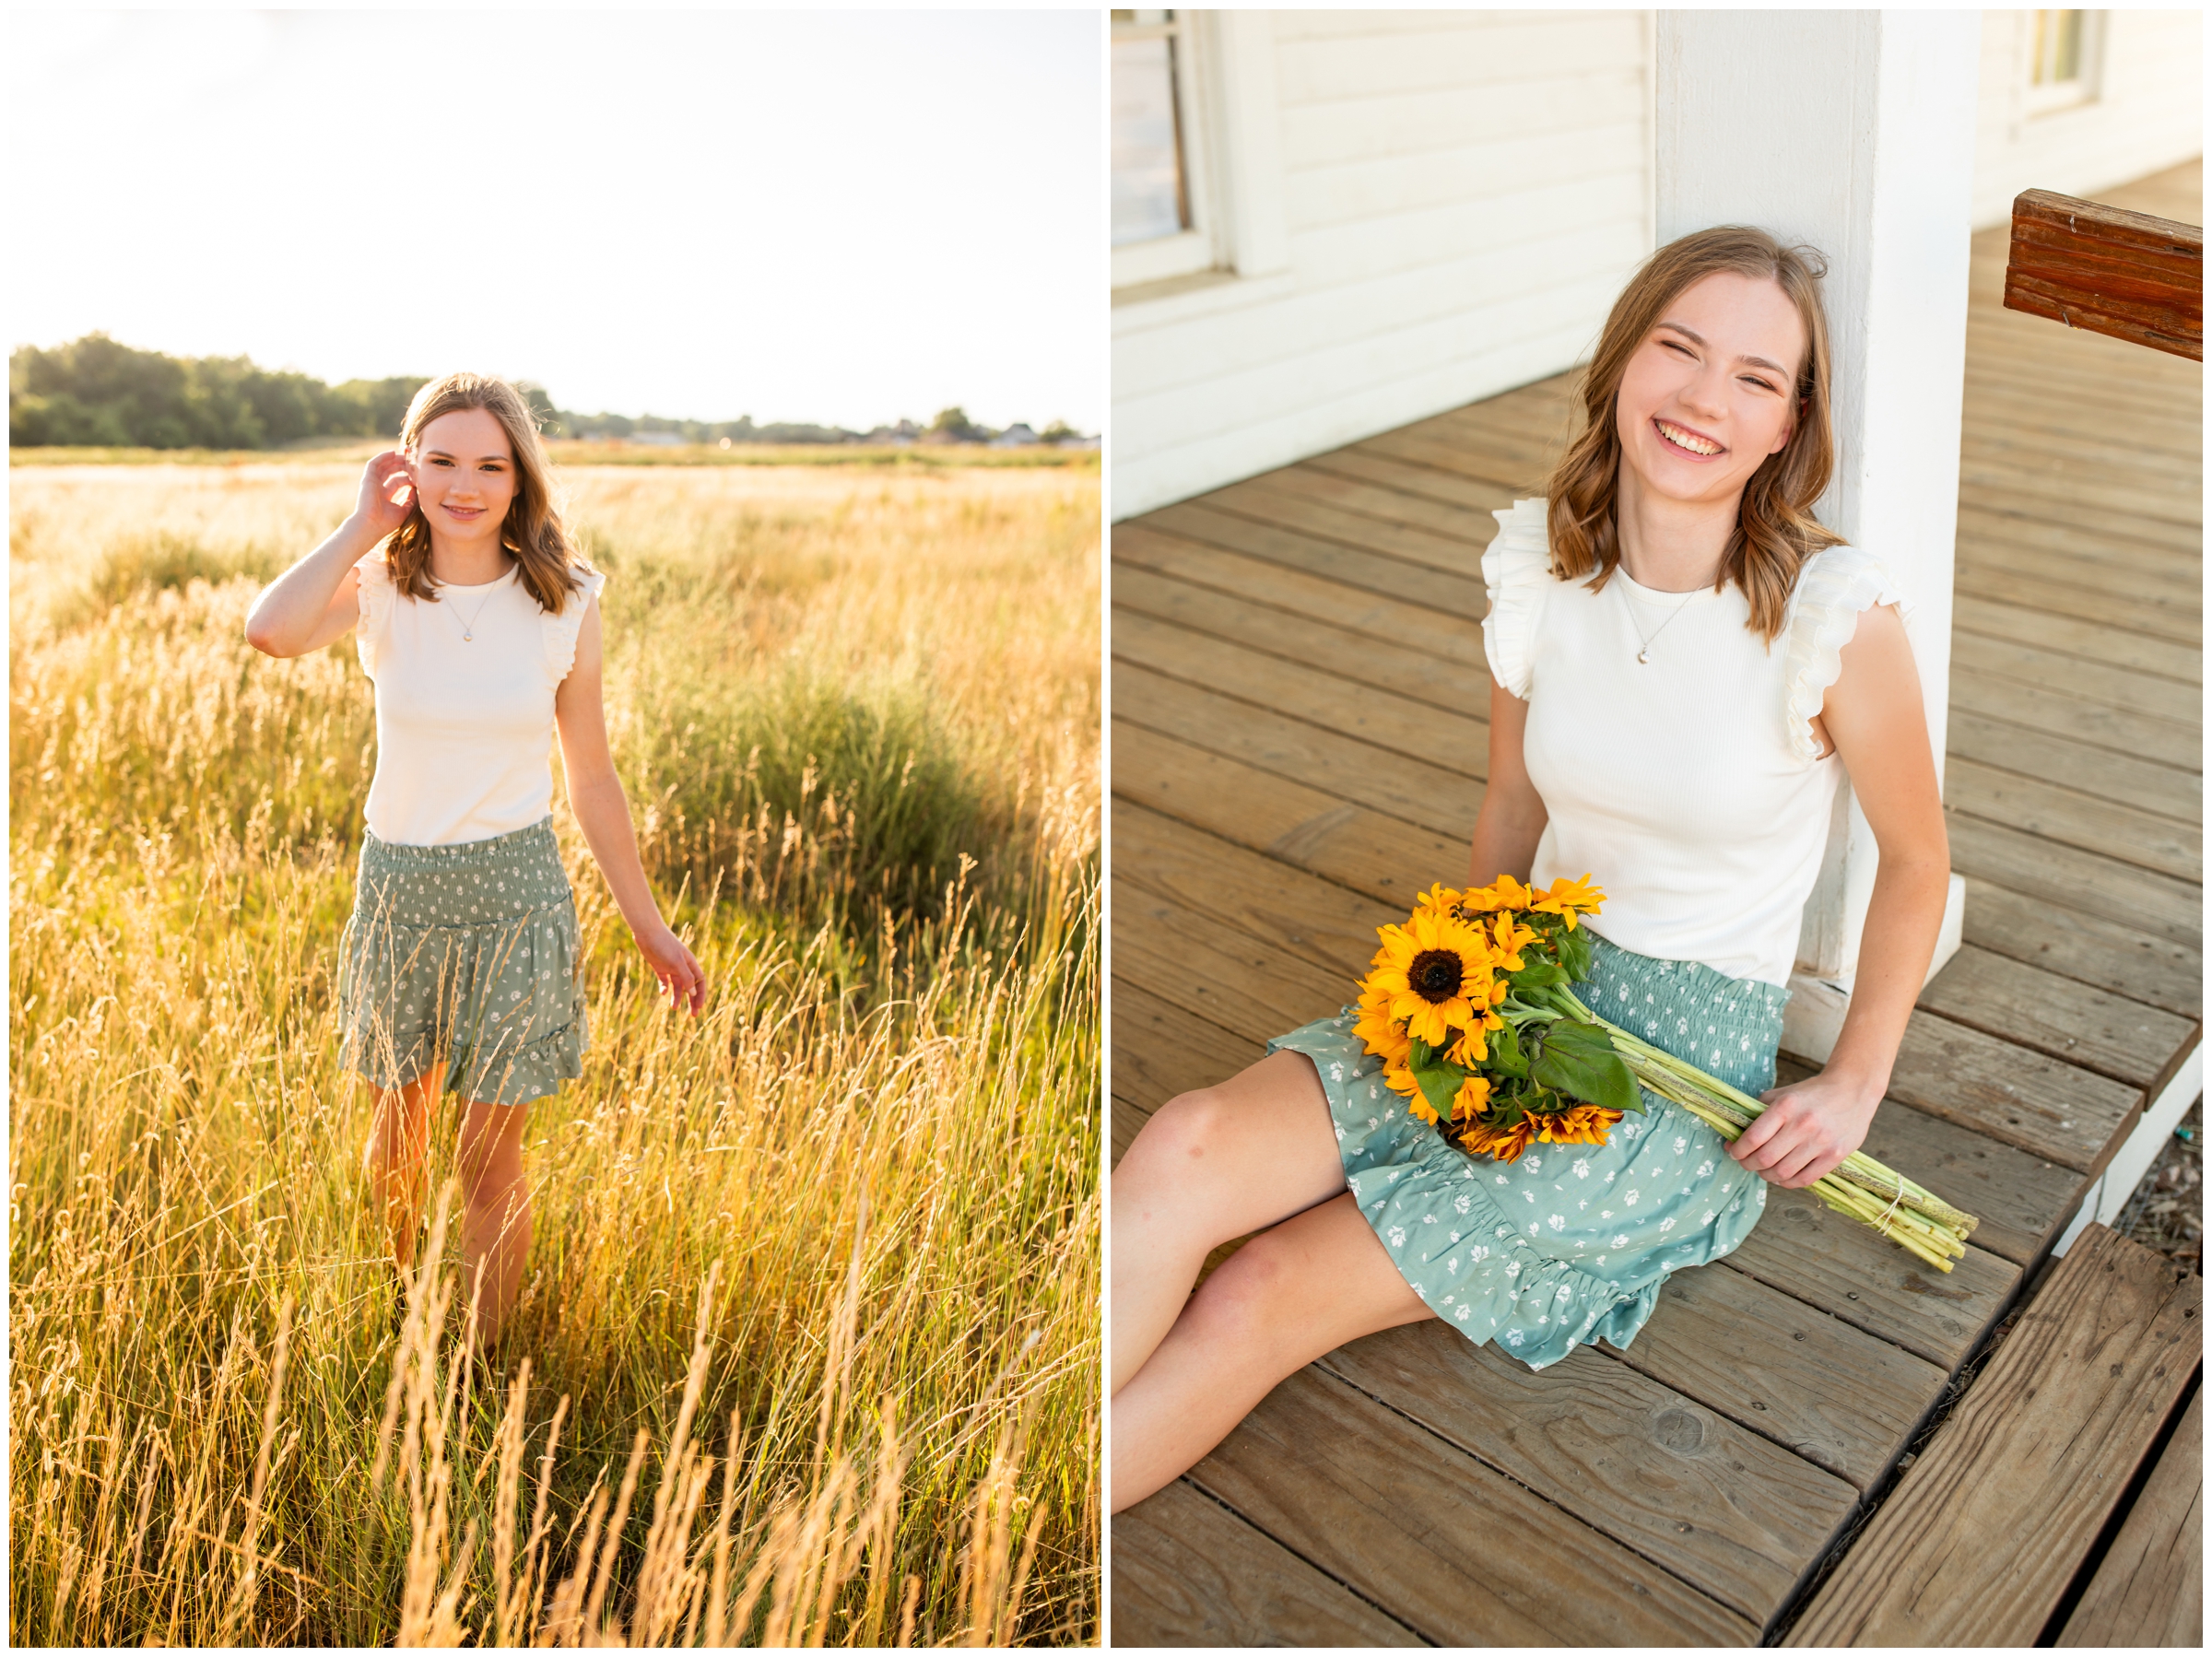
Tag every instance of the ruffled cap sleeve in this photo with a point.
(1516, 573)
(1834, 587)
(561, 630)
(374, 594)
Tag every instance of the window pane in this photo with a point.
(2057, 57)
(1149, 200)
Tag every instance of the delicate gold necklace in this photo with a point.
(1644, 655)
(468, 623)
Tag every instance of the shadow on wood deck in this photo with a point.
(1296, 664)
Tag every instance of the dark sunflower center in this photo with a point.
(1435, 975)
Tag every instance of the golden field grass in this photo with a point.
(811, 1313)
(577, 452)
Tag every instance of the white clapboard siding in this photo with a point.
(2147, 114)
(1462, 196)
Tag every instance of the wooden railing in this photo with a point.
(2128, 274)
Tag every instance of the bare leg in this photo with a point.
(1213, 1165)
(497, 1229)
(1286, 1296)
(399, 1141)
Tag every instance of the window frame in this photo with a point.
(2052, 98)
(1199, 249)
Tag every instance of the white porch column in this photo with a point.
(1853, 131)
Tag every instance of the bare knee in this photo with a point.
(1253, 1298)
(1188, 1132)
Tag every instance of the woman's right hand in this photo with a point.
(387, 493)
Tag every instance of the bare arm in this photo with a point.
(603, 812)
(317, 601)
(1874, 716)
(1512, 815)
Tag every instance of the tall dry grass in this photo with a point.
(808, 1347)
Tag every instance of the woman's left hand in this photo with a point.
(675, 966)
(1807, 1129)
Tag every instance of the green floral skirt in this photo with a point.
(466, 954)
(1571, 1243)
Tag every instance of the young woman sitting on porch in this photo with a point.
(1685, 663)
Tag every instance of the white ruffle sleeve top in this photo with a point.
(464, 704)
(1692, 787)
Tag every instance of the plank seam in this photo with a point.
(2057, 650)
(1249, 1524)
(1212, 504)
(1482, 1461)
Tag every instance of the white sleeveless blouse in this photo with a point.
(1690, 787)
(464, 725)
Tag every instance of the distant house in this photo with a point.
(1017, 436)
(897, 437)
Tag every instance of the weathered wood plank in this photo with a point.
(1443, 802)
(1407, 477)
(1220, 975)
(1981, 1538)
(2150, 1590)
(2125, 1040)
(2056, 1111)
(2086, 948)
(1390, 621)
(2075, 818)
(2127, 275)
(1188, 1573)
(1833, 1394)
(2169, 619)
(2148, 694)
(1263, 502)
(1390, 723)
(1449, 592)
(2077, 637)
(1468, 522)
(1727, 1511)
(2044, 708)
(1806, 1249)
(1994, 491)
(1339, 1480)
(1160, 1049)
(1462, 688)
(2163, 789)
(2158, 904)
(1385, 858)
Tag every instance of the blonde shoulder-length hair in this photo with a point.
(533, 531)
(1775, 529)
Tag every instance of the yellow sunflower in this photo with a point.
(1439, 899)
(1473, 1099)
(1467, 1046)
(1504, 892)
(1381, 1033)
(1505, 1143)
(1435, 970)
(1566, 896)
(1581, 1124)
(1507, 935)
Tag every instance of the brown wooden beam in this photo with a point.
(2108, 270)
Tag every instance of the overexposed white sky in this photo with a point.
(831, 215)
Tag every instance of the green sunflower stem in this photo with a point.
(1860, 1187)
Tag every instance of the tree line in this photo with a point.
(95, 392)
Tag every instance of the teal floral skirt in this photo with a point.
(1571, 1243)
(466, 954)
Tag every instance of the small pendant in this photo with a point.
(1644, 657)
(468, 638)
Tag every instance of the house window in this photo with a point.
(1161, 218)
(2061, 47)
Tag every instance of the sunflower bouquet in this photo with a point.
(1469, 1007)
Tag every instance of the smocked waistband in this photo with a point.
(536, 839)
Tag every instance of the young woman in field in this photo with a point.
(1684, 663)
(475, 617)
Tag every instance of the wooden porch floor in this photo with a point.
(1296, 665)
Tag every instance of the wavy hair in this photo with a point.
(532, 530)
(1775, 529)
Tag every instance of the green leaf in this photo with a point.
(1578, 1059)
(1438, 1079)
(1537, 975)
(1576, 955)
(1505, 1052)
